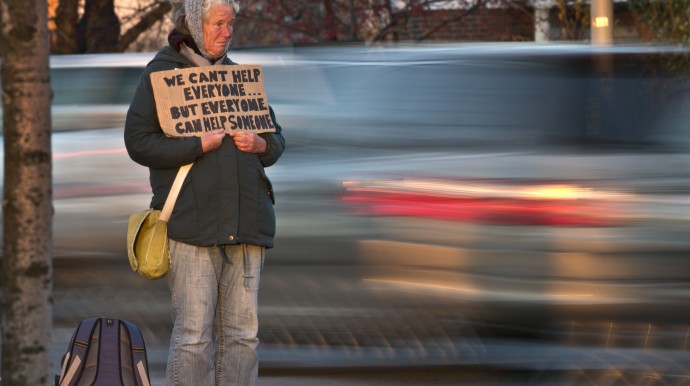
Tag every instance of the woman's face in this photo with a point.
(217, 29)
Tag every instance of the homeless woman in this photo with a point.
(223, 219)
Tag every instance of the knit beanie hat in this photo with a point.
(194, 14)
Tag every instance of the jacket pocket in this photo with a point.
(268, 187)
(266, 222)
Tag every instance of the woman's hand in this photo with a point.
(211, 140)
(248, 141)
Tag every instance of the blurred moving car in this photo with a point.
(434, 194)
(493, 190)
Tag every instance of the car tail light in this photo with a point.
(482, 201)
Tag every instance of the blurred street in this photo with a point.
(307, 345)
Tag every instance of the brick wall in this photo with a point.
(501, 25)
(482, 25)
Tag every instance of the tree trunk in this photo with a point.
(331, 29)
(26, 207)
(66, 19)
(99, 28)
(353, 21)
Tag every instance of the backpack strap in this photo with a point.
(74, 360)
(108, 359)
(139, 360)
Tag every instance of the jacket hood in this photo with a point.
(169, 54)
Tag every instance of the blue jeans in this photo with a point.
(214, 311)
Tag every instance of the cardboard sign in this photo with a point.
(192, 101)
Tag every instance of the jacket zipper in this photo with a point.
(219, 158)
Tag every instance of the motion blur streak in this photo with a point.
(95, 191)
(549, 204)
(421, 285)
(86, 153)
(553, 191)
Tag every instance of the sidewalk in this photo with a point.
(92, 287)
(304, 327)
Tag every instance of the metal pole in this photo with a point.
(601, 12)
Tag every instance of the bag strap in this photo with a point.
(174, 192)
(80, 345)
(138, 353)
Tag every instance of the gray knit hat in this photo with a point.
(195, 11)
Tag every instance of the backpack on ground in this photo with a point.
(105, 352)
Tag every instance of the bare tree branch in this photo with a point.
(153, 16)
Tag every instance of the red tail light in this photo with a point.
(563, 205)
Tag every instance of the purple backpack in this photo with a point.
(105, 352)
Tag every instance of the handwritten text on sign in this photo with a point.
(195, 100)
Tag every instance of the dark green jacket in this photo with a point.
(226, 198)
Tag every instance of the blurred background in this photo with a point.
(512, 204)
(432, 198)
